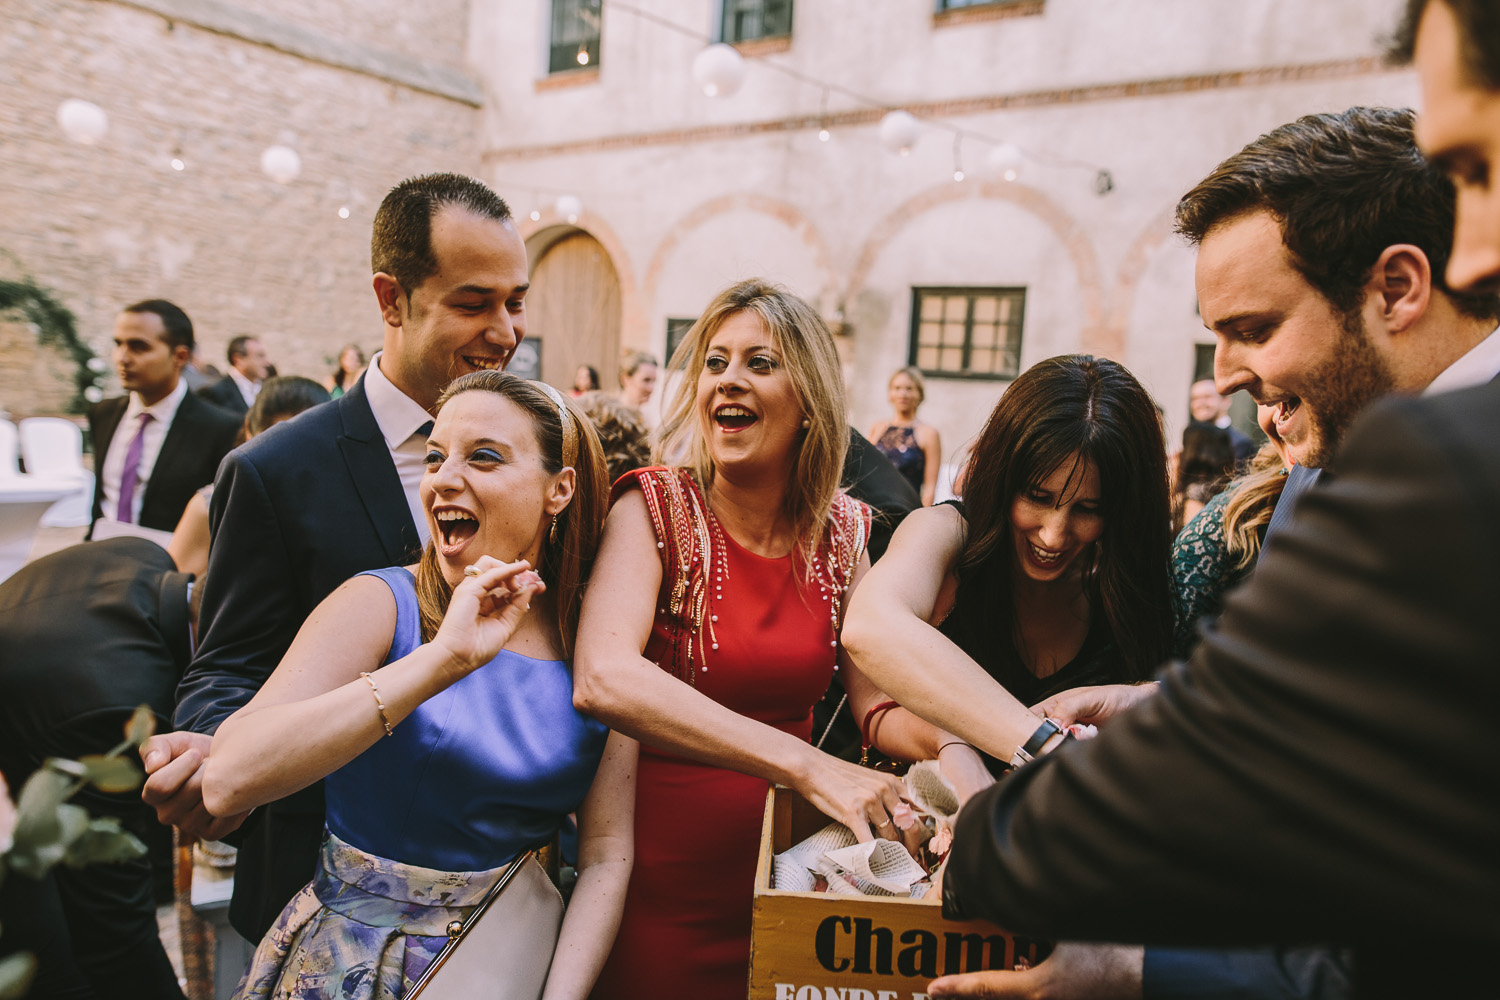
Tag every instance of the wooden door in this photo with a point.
(573, 310)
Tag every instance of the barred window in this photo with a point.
(575, 35)
(967, 332)
(956, 4)
(747, 20)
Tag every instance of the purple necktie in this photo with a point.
(132, 472)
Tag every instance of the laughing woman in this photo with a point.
(437, 700)
(1052, 573)
(712, 626)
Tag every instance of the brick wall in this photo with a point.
(104, 225)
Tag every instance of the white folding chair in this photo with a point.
(53, 450)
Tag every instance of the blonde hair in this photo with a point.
(563, 441)
(806, 348)
(1247, 512)
(916, 380)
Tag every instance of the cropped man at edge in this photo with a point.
(1371, 618)
(313, 501)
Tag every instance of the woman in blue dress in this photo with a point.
(438, 701)
(913, 447)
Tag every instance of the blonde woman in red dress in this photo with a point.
(711, 627)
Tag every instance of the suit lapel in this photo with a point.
(374, 476)
(109, 421)
(179, 450)
(1298, 481)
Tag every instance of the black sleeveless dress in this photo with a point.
(971, 626)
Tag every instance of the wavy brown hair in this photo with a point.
(806, 347)
(565, 562)
(1092, 408)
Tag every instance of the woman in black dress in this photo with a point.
(1051, 573)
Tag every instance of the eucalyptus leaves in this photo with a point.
(44, 829)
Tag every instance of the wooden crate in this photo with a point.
(815, 945)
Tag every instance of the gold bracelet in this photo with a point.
(379, 705)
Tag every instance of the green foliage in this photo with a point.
(50, 830)
(55, 327)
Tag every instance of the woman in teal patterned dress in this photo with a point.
(1217, 549)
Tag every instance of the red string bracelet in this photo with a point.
(884, 706)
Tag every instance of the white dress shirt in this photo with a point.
(163, 411)
(1480, 365)
(399, 418)
(248, 389)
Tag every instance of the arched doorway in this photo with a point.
(573, 309)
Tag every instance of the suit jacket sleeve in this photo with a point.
(1323, 769)
(250, 574)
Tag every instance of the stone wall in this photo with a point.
(104, 225)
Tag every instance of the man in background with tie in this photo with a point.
(311, 502)
(158, 443)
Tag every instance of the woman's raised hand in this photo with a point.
(486, 607)
(858, 797)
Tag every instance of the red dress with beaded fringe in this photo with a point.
(761, 642)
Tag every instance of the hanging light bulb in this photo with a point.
(569, 206)
(824, 135)
(281, 164)
(536, 215)
(583, 54)
(177, 163)
(82, 121)
(719, 70)
(958, 157)
(1005, 161)
(343, 211)
(899, 131)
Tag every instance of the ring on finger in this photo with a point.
(471, 571)
(882, 826)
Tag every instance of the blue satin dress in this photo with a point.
(420, 824)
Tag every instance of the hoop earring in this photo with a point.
(552, 531)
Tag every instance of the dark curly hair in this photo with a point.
(622, 432)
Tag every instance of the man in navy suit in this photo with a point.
(156, 445)
(311, 502)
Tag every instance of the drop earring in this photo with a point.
(552, 531)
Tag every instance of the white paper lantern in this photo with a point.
(899, 131)
(569, 206)
(1005, 160)
(82, 121)
(719, 70)
(281, 164)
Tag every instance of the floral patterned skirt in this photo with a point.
(365, 928)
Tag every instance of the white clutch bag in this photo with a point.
(504, 950)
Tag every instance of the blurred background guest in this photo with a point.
(1050, 574)
(585, 379)
(350, 367)
(280, 398)
(1208, 407)
(1204, 466)
(638, 371)
(89, 633)
(913, 447)
(249, 367)
(622, 431)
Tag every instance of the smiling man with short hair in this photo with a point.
(311, 502)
